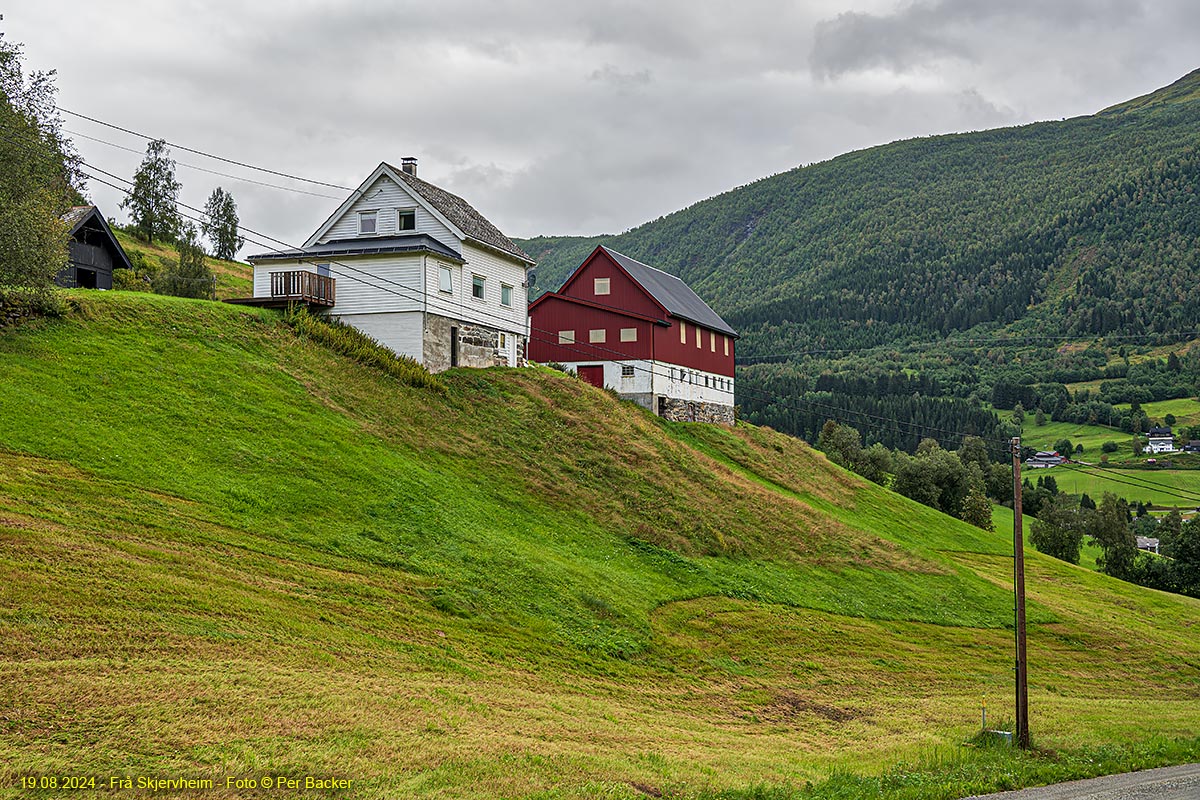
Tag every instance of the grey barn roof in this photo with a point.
(462, 214)
(414, 243)
(673, 294)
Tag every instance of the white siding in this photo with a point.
(399, 331)
(496, 270)
(386, 196)
(377, 284)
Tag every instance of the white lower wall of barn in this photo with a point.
(667, 380)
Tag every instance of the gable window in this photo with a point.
(477, 287)
(445, 279)
(597, 336)
(505, 294)
(406, 219)
(601, 286)
(683, 333)
(626, 370)
(566, 337)
(367, 221)
(628, 334)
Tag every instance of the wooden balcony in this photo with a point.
(294, 287)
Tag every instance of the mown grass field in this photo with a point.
(225, 551)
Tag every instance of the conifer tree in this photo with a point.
(152, 202)
(221, 224)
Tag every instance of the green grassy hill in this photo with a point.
(234, 279)
(227, 551)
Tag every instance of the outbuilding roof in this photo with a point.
(671, 293)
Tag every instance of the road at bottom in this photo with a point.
(1165, 783)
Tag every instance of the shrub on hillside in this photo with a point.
(353, 343)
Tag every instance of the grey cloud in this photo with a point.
(614, 76)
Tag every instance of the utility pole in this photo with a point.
(1019, 608)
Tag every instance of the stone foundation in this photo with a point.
(478, 345)
(688, 411)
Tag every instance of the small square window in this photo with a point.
(566, 337)
(597, 336)
(367, 221)
(406, 219)
(505, 294)
(628, 334)
(477, 287)
(601, 286)
(323, 269)
(626, 370)
(445, 280)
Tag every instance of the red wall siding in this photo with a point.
(624, 293)
(553, 315)
(668, 348)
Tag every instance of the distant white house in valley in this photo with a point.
(413, 266)
(1160, 440)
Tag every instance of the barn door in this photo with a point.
(593, 375)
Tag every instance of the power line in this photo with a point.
(203, 169)
(203, 153)
(1151, 485)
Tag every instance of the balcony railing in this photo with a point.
(303, 287)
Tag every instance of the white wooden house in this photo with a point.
(413, 266)
(1160, 440)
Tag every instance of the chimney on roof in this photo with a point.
(409, 164)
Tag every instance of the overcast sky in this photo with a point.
(565, 118)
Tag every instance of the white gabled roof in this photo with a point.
(449, 209)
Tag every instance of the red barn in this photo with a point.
(620, 323)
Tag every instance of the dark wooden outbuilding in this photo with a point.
(95, 251)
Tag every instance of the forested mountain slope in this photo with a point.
(1087, 225)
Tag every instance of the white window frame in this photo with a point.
(598, 282)
(399, 212)
(504, 287)
(374, 214)
(481, 281)
(726, 338)
(598, 336)
(566, 337)
(683, 332)
(628, 334)
(712, 341)
(699, 336)
(447, 286)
